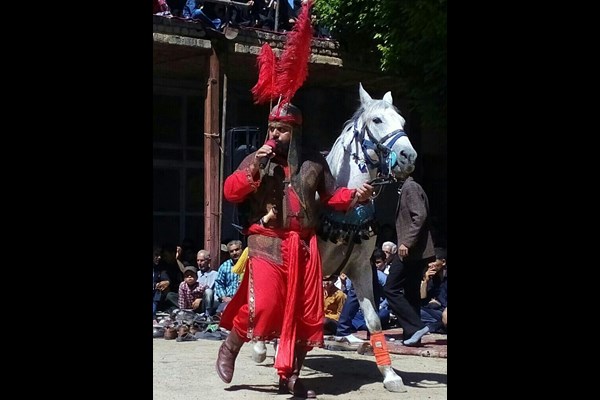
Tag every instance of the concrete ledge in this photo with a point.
(248, 41)
(181, 40)
(314, 58)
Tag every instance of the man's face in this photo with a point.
(388, 252)
(282, 134)
(437, 264)
(235, 251)
(203, 262)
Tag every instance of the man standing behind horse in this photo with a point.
(281, 295)
(415, 251)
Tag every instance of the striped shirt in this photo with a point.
(187, 294)
(227, 282)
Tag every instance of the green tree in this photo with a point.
(407, 38)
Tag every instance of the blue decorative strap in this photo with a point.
(359, 215)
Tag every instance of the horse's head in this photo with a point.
(381, 128)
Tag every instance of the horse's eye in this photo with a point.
(377, 120)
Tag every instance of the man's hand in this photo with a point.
(196, 303)
(364, 192)
(402, 250)
(162, 285)
(431, 271)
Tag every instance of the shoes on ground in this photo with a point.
(188, 337)
(348, 339)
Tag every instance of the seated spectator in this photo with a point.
(207, 278)
(190, 291)
(240, 15)
(163, 299)
(289, 11)
(227, 281)
(169, 264)
(263, 13)
(352, 318)
(378, 263)
(160, 7)
(390, 249)
(378, 259)
(434, 293)
(176, 7)
(343, 283)
(333, 303)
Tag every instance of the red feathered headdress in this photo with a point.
(283, 77)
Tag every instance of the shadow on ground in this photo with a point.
(348, 375)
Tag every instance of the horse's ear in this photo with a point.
(388, 97)
(364, 96)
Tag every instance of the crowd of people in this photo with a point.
(243, 13)
(207, 290)
(183, 282)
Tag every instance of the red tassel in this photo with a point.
(292, 69)
(265, 90)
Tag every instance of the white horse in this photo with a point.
(372, 147)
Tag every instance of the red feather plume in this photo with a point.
(292, 68)
(265, 89)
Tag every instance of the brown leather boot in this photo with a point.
(294, 384)
(227, 354)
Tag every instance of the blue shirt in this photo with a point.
(208, 278)
(227, 282)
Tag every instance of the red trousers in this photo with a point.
(281, 301)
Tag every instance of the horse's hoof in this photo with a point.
(395, 385)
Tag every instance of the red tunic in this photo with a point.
(281, 300)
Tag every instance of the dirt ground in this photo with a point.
(186, 370)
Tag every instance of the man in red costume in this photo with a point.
(281, 295)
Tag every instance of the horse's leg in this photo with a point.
(259, 351)
(362, 280)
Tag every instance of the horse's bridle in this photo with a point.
(383, 151)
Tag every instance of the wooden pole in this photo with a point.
(212, 229)
(276, 24)
(222, 156)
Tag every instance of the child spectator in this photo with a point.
(334, 302)
(190, 291)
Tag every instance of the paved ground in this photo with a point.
(185, 370)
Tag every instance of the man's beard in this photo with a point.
(281, 152)
(282, 147)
